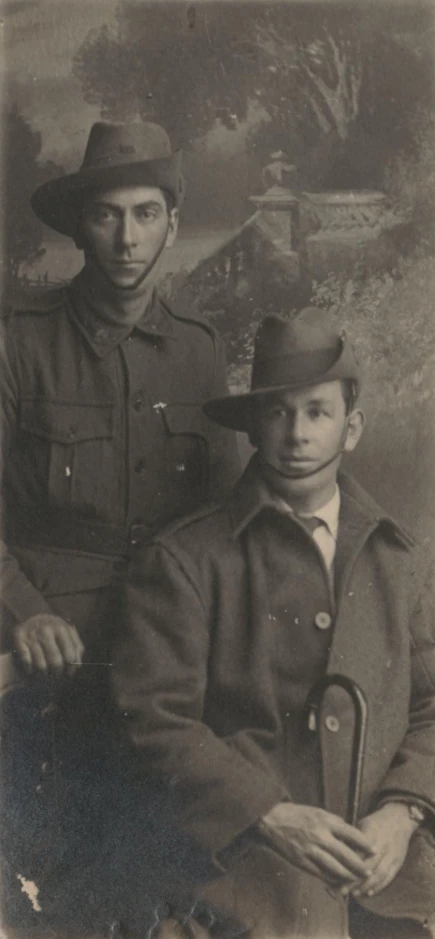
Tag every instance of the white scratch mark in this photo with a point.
(67, 471)
(180, 467)
(159, 406)
(31, 890)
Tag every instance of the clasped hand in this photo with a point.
(362, 861)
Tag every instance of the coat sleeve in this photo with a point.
(159, 676)
(20, 599)
(411, 776)
(225, 463)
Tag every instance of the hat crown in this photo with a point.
(117, 144)
(308, 350)
(311, 330)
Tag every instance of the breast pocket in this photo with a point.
(72, 445)
(187, 458)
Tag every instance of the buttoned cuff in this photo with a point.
(407, 798)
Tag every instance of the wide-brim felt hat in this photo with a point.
(137, 154)
(309, 349)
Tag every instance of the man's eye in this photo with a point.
(314, 413)
(101, 215)
(146, 214)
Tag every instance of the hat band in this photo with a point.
(281, 370)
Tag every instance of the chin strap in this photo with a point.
(305, 474)
(147, 270)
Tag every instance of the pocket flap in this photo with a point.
(56, 572)
(66, 422)
(185, 419)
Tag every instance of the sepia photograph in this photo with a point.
(217, 662)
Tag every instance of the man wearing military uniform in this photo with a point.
(104, 441)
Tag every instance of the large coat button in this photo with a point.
(332, 723)
(322, 620)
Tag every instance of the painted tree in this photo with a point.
(322, 73)
(331, 82)
(170, 62)
(326, 79)
(22, 173)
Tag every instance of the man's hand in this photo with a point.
(319, 842)
(389, 831)
(45, 642)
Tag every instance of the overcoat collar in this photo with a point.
(359, 512)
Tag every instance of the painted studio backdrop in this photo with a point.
(309, 133)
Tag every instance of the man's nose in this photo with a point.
(297, 429)
(127, 232)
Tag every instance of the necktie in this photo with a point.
(310, 522)
(322, 536)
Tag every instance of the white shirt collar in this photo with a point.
(328, 513)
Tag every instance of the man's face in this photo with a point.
(301, 435)
(123, 231)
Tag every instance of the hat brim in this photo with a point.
(56, 202)
(235, 411)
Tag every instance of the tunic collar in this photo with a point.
(102, 336)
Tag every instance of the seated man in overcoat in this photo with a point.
(235, 615)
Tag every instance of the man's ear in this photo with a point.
(355, 426)
(172, 227)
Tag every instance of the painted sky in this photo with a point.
(41, 39)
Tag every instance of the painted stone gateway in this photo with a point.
(354, 227)
(292, 239)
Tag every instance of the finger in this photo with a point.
(351, 835)
(24, 654)
(370, 873)
(78, 646)
(39, 661)
(52, 653)
(331, 866)
(373, 885)
(66, 641)
(353, 862)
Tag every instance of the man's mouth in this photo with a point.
(127, 264)
(299, 460)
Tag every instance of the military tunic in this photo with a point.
(104, 441)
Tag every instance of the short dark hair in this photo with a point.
(350, 394)
(169, 199)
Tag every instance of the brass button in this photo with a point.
(322, 620)
(332, 724)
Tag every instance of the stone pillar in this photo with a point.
(279, 213)
(278, 205)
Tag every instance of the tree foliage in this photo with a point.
(328, 80)
(167, 62)
(22, 174)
